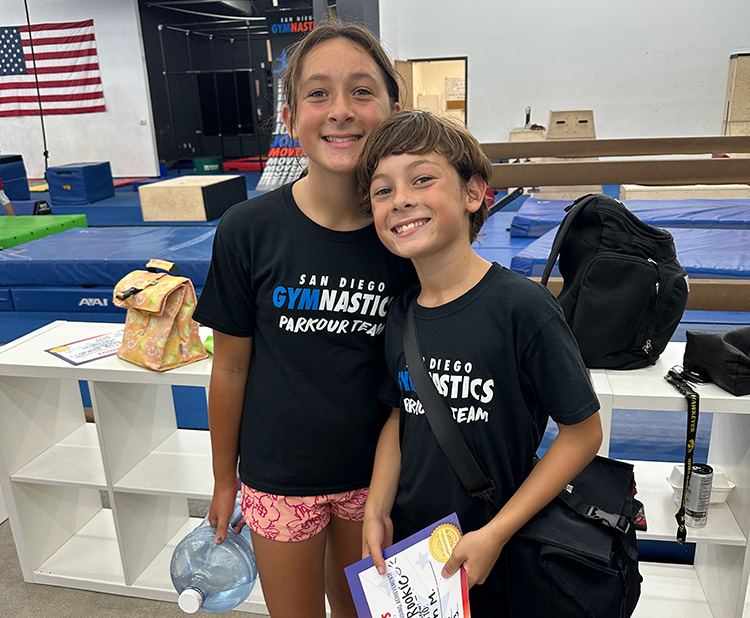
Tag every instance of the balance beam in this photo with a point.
(618, 147)
(653, 172)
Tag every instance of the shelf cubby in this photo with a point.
(55, 467)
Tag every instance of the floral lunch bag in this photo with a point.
(160, 332)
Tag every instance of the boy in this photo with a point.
(496, 344)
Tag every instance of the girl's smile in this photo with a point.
(342, 97)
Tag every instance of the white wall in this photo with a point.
(648, 68)
(123, 135)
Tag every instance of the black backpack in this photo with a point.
(624, 292)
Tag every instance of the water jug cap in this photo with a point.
(190, 600)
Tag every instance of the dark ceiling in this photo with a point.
(215, 16)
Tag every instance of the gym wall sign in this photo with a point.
(290, 21)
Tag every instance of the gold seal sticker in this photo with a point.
(442, 541)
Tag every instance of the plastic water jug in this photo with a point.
(211, 577)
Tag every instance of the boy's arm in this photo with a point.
(378, 528)
(570, 452)
(226, 398)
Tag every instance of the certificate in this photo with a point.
(412, 586)
(91, 349)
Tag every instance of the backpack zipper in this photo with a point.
(648, 345)
(654, 262)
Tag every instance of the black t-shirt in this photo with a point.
(505, 359)
(315, 302)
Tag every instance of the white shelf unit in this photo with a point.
(715, 585)
(54, 466)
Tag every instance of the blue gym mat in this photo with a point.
(536, 217)
(495, 243)
(705, 253)
(77, 269)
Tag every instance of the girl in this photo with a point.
(297, 295)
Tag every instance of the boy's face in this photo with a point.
(421, 207)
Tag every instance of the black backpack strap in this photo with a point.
(562, 232)
(447, 432)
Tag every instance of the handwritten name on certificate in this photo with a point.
(412, 586)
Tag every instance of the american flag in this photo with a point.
(67, 68)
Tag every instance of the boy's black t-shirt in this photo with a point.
(506, 360)
(315, 301)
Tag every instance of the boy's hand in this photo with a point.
(478, 551)
(377, 533)
(222, 507)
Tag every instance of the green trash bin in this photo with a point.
(209, 165)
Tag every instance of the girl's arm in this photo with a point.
(226, 398)
(570, 452)
(377, 532)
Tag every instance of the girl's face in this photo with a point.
(341, 97)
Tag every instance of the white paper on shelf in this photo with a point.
(90, 349)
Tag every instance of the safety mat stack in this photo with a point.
(77, 269)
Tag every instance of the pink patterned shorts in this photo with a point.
(298, 518)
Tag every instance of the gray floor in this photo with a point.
(21, 600)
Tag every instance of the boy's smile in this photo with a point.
(420, 205)
(404, 228)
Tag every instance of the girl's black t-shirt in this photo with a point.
(315, 302)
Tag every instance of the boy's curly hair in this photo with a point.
(421, 132)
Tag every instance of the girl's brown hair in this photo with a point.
(420, 132)
(326, 31)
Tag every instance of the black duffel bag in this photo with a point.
(577, 558)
